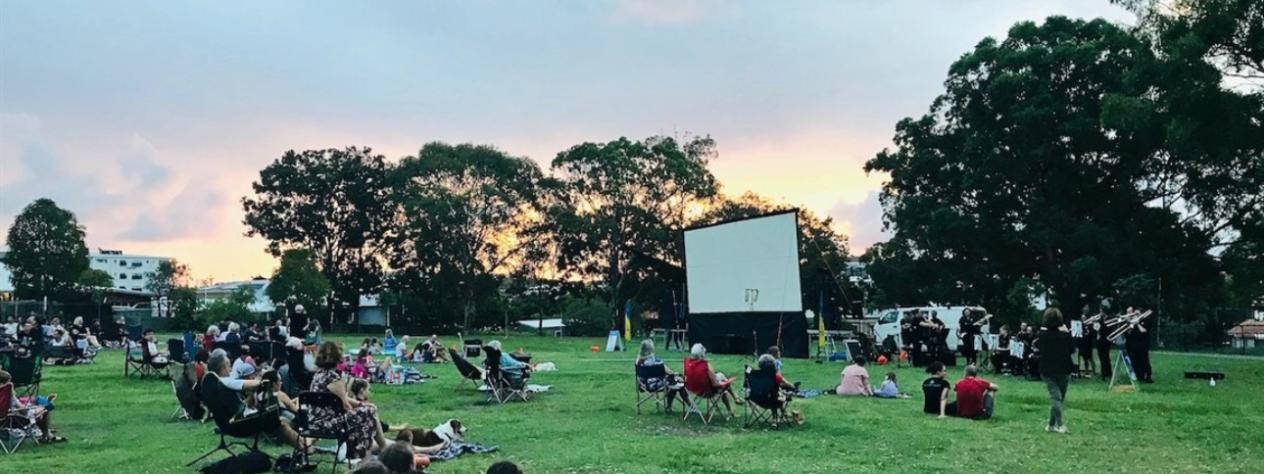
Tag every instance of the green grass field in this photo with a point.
(587, 423)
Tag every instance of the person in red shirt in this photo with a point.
(976, 397)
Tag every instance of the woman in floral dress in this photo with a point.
(363, 426)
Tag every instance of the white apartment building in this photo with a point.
(130, 272)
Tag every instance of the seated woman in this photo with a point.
(80, 332)
(437, 354)
(672, 384)
(209, 338)
(421, 354)
(705, 382)
(855, 380)
(361, 417)
(775, 397)
(514, 369)
(151, 345)
(289, 407)
(401, 349)
(936, 390)
(42, 415)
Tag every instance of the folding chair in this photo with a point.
(503, 388)
(224, 407)
(176, 352)
(134, 360)
(692, 408)
(469, 373)
(184, 387)
(191, 345)
(762, 402)
(149, 366)
(644, 393)
(14, 425)
(338, 431)
(27, 373)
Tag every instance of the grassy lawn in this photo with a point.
(587, 423)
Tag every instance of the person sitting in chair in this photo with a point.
(228, 407)
(436, 349)
(673, 385)
(360, 416)
(151, 345)
(42, 415)
(704, 381)
(514, 369)
(779, 400)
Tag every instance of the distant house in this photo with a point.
(1247, 335)
(551, 326)
(261, 304)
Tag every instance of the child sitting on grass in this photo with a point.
(890, 389)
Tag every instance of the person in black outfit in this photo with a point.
(1002, 361)
(1137, 343)
(1084, 346)
(1054, 346)
(938, 338)
(935, 389)
(298, 322)
(910, 335)
(1102, 339)
(968, 329)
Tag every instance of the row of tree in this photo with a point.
(445, 234)
(1087, 160)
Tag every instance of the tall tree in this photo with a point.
(626, 197)
(298, 279)
(334, 203)
(46, 251)
(164, 280)
(471, 213)
(1040, 166)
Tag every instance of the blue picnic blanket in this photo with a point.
(458, 448)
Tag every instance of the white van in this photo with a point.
(889, 322)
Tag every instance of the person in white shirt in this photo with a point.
(401, 349)
(152, 344)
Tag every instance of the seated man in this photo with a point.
(223, 397)
(976, 397)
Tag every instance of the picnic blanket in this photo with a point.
(810, 393)
(458, 448)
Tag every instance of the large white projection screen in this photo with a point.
(749, 265)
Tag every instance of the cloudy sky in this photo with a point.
(149, 120)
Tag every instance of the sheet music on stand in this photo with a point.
(1017, 349)
(994, 341)
(978, 342)
(1077, 328)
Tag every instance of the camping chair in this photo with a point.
(176, 352)
(469, 373)
(14, 424)
(644, 393)
(148, 367)
(27, 373)
(711, 397)
(762, 398)
(184, 387)
(191, 345)
(338, 432)
(224, 407)
(297, 371)
(503, 388)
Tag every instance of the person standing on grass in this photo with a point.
(1055, 365)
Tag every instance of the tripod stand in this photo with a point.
(1122, 360)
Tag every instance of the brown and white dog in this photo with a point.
(447, 432)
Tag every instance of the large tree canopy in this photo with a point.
(471, 213)
(46, 254)
(334, 203)
(1041, 166)
(627, 197)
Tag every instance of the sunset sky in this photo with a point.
(149, 120)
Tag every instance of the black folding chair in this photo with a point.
(14, 423)
(176, 352)
(27, 373)
(644, 393)
(338, 430)
(503, 387)
(763, 403)
(469, 373)
(225, 407)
